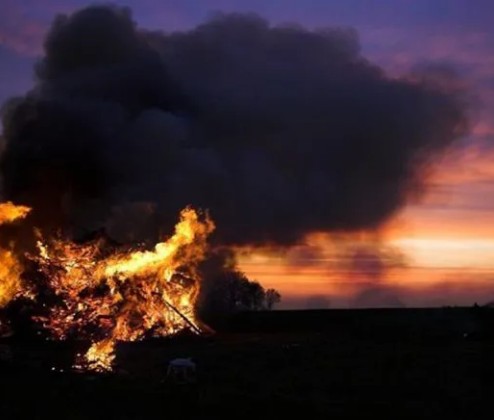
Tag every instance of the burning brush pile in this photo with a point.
(105, 294)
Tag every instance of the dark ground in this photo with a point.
(345, 364)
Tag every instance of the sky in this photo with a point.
(445, 239)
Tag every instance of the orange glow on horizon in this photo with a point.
(447, 238)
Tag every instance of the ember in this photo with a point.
(97, 292)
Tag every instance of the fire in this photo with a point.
(10, 268)
(10, 272)
(104, 294)
(100, 356)
(10, 212)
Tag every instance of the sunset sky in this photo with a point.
(440, 249)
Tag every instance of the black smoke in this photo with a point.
(277, 130)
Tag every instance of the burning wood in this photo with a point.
(94, 291)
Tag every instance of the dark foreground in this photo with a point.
(343, 364)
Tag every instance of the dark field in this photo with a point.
(345, 364)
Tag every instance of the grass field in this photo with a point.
(344, 364)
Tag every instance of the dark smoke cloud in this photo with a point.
(369, 264)
(371, 261)
(276, 130)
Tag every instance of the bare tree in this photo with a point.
(271, 298)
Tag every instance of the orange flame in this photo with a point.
(10, 272)
(124, 295)
(100, 356)
(109, 295)
(10, 268)
(9, 212)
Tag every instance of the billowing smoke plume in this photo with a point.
(278, 131)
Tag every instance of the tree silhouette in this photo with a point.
(272, 297)
(231, 292)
